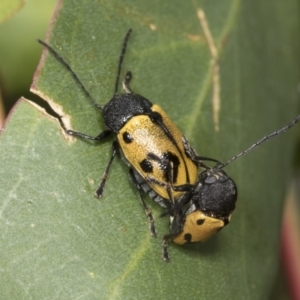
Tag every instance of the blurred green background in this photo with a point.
(19, 51)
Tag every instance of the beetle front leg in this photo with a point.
(102, 135)
(100, 189)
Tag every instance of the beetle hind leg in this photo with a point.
(146, 209)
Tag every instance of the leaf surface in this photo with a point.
(59, 242)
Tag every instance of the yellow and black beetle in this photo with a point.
(206, 207)
(150, 143)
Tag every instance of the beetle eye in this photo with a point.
(210, 179)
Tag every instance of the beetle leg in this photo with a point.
(168, 165)
(124, 48)
(102, 135)
(177, 220)
(146, 209)
(165, 252)
(191, 153)
(100, 189)
(126, 82)
(179, 188)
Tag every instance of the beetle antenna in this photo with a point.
(261, 141)
(61, 60)
(123, 51)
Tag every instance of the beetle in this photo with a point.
(206, 207)
(149, 142)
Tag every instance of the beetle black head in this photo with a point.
(122, 107)
(217, 193)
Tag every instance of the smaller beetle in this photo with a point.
(207, 207)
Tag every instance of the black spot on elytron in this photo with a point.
(154, 157)
(146, 166)
(165, 163)
(127, 138)
(188, 237)
(200, 221)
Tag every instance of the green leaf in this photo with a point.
(59, 242)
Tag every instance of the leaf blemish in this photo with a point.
(216, 101)
(54, 111)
